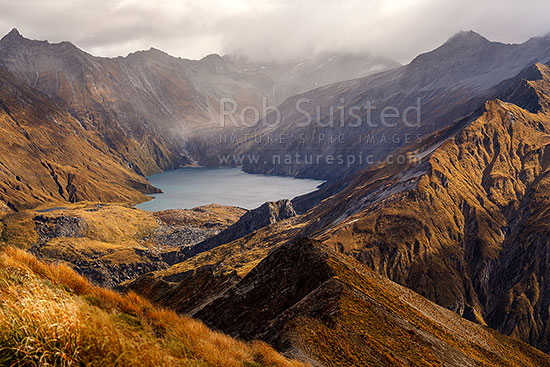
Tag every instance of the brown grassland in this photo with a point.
(51, 316)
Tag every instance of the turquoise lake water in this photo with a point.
(189, 187)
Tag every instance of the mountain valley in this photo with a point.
(437, 260)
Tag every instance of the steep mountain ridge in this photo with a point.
(265, 215)
(456, 226)
(321, 306)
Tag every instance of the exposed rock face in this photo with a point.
(213, 217)
(324, 307)
(450, 83)
(181, 236)
(49, 228)
(269, 213)
(102, 264)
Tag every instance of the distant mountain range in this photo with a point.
(448, 84)
(156, 110)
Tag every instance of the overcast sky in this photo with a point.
(264, 29)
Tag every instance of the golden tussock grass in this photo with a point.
(51, 316)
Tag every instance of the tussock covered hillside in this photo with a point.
(50, 316)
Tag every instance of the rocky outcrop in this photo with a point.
(49, 228)
(267, 214)
(181, 236)
(98, 262)
(208, 217)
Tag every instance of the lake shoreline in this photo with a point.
(189, 187)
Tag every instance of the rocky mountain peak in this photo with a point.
(543, 69)
(467, 37)
(212, 57)
(530, 89)
(536, 71)
(215, 63)
(12, 36)
(462, 46)
(15, 41)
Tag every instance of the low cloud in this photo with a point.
(274, 29)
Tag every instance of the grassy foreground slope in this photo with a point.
(50, 316)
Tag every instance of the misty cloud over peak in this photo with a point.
(272, 30)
